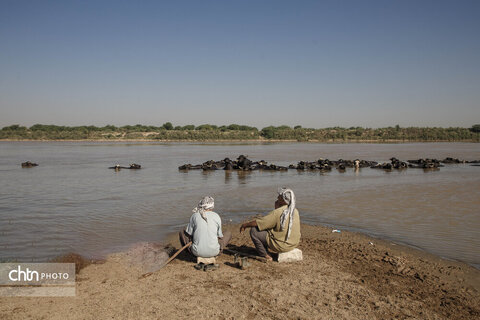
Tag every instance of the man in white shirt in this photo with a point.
(205, 231)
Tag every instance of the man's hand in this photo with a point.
(250, 224)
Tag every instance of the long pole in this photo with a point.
(169, 259)
(178, 252)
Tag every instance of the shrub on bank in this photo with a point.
(239, 132)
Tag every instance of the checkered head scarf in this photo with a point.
(289, 197)
(205, 204)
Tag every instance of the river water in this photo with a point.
(72, 202)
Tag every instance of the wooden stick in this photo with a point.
(169, 259)
(178, 252)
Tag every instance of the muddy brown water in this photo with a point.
(71, 202)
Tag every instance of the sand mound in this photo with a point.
(147, 256)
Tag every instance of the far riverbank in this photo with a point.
(330, 141)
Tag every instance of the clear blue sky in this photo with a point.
(313, 63)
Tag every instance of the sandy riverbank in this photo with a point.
(343, 276)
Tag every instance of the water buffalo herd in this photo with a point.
(245, 164)
(242, 163)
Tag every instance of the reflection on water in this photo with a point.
(72, 202)
(228, 176)
(243, 176)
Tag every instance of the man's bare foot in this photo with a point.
(268, 257)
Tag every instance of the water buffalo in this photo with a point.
(452, 160)
(243, 162)
(117, 167)
(385, 166)
(424, 163)
(29, 164)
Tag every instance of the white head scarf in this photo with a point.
(207, 203)
(289, 197)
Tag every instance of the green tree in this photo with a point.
(206, 127)
(168, 126)
(14, 127)
(233, 127)
(268, 132)
(475, 128)
(110, 127)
